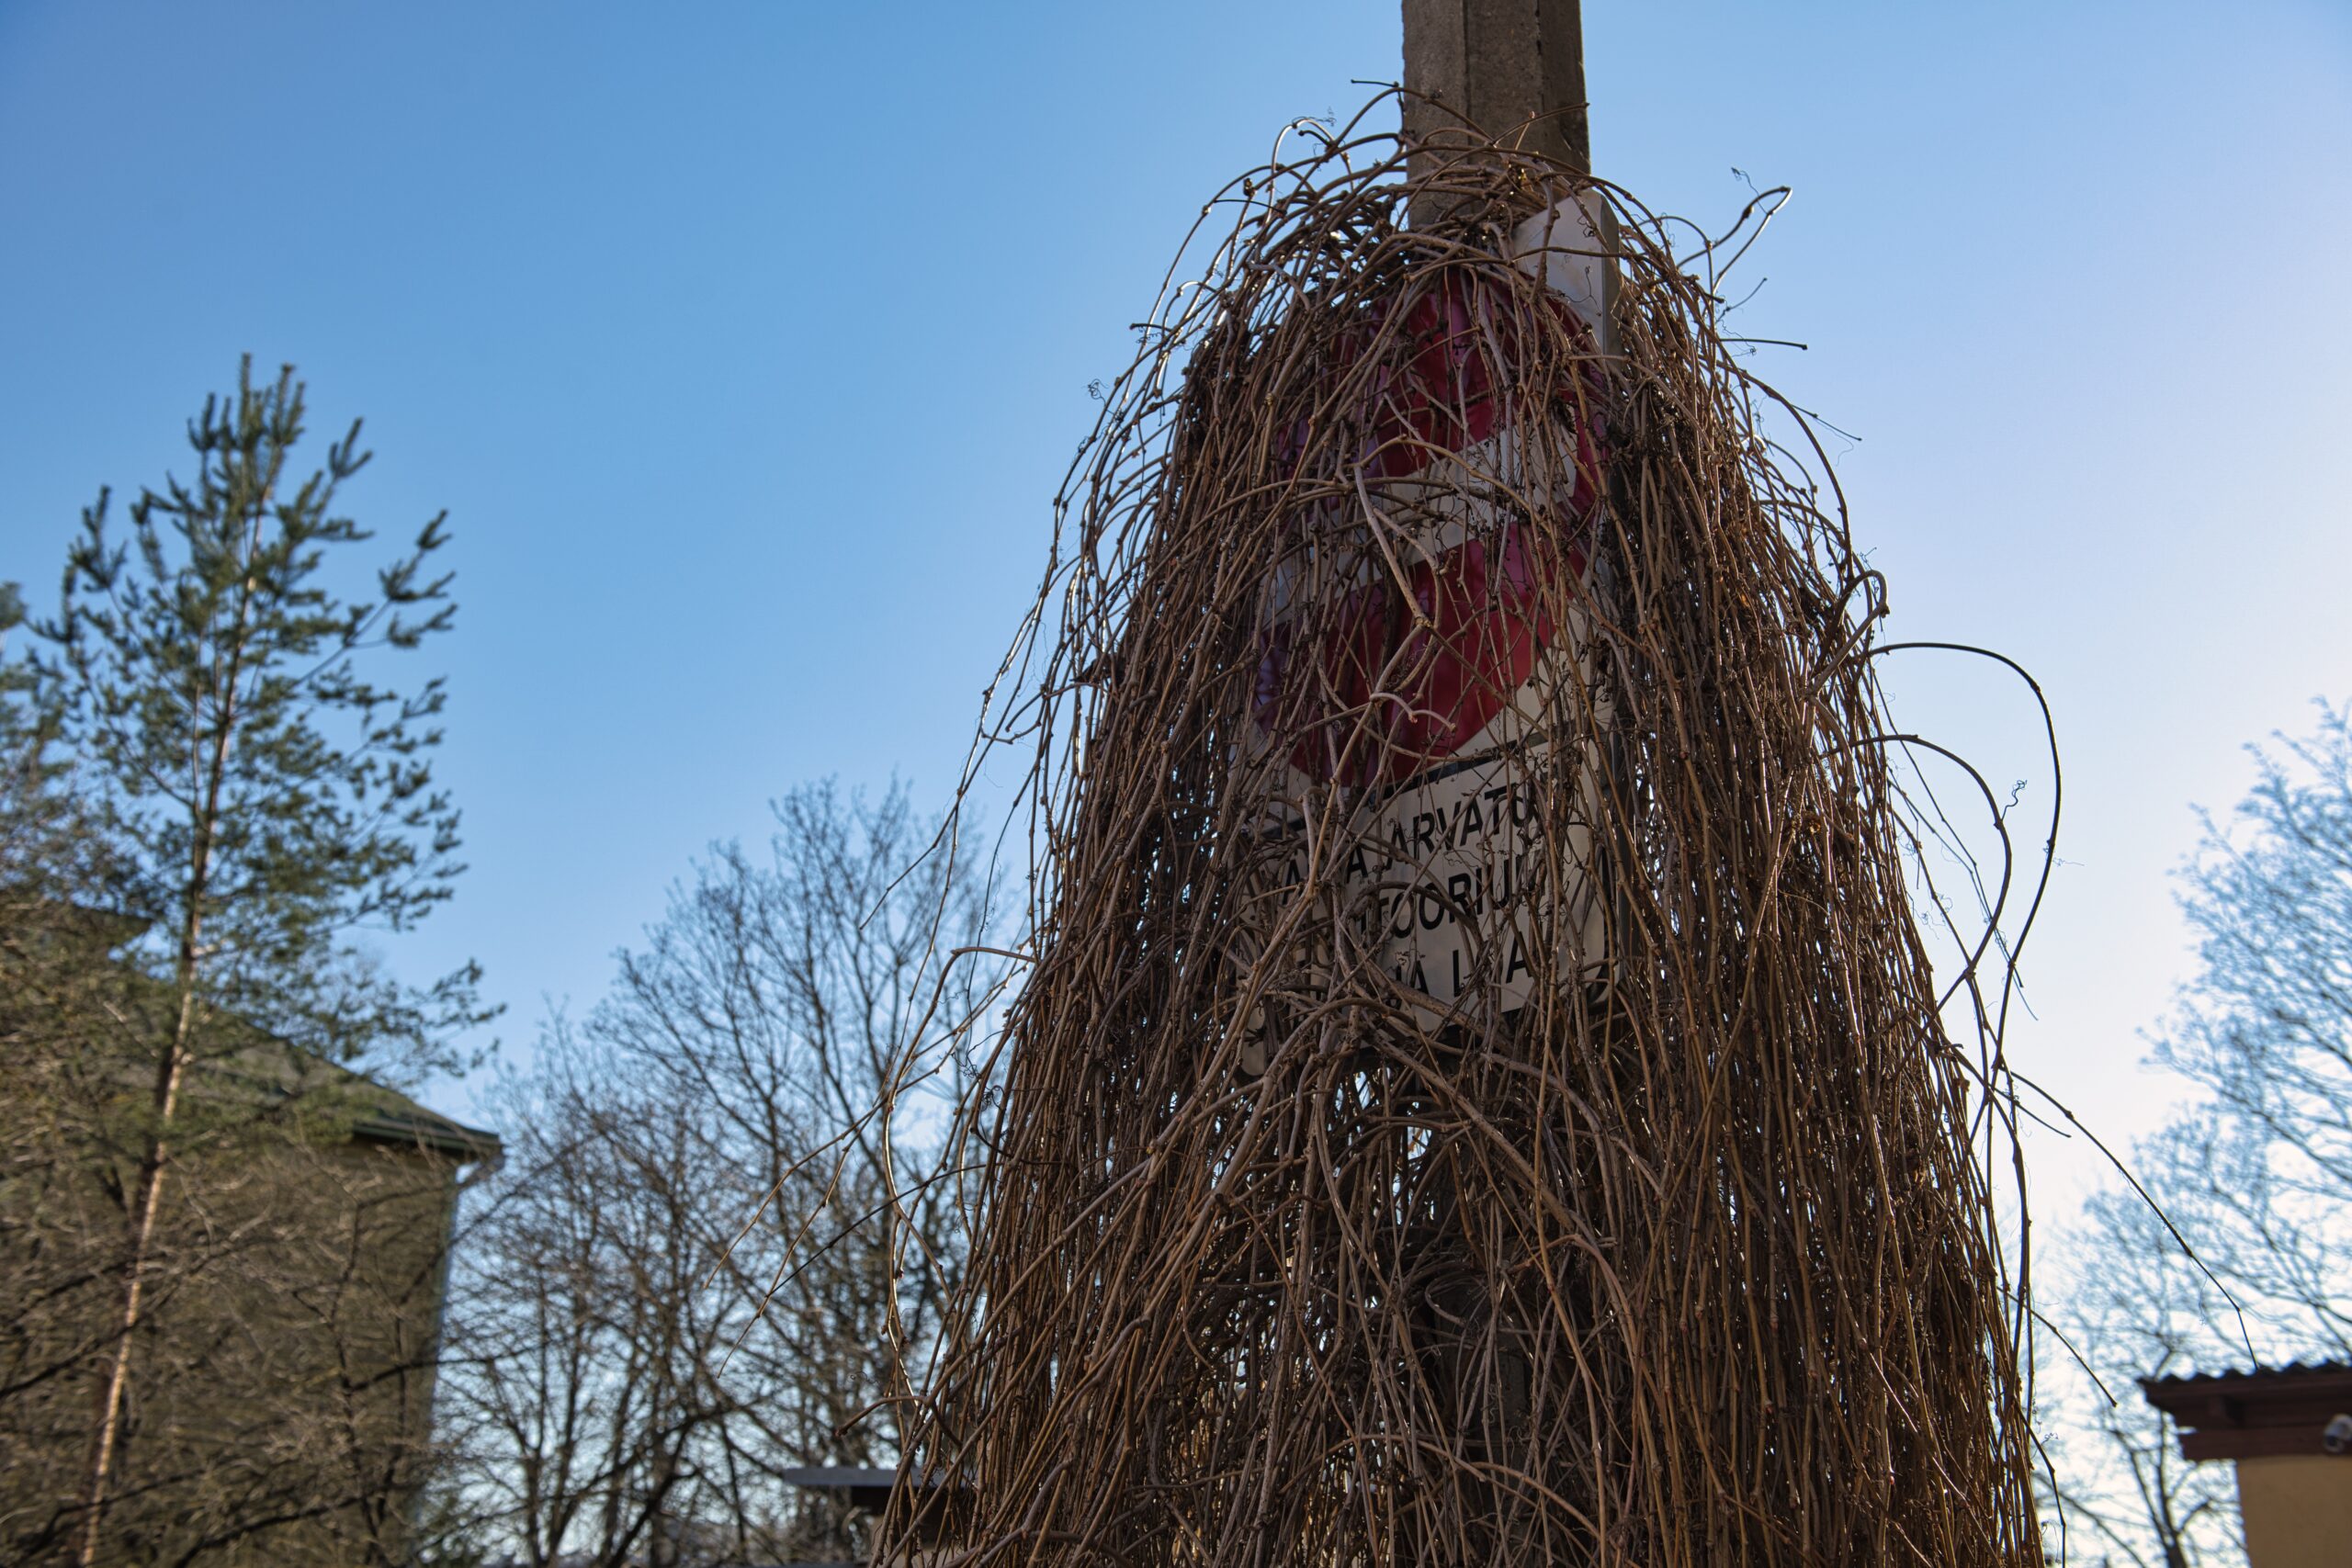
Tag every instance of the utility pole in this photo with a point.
(1512, 68)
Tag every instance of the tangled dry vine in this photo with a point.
(1480, 1094)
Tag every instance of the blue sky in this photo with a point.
(746, 342)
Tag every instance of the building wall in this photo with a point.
(2298, 1510)
(285, 1372)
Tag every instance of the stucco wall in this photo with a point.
(2298, 1510)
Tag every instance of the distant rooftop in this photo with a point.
(2257, 1412)
(867, 1487)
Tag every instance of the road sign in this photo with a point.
(1416, 641)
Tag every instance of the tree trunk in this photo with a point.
(106, 1442)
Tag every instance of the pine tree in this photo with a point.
(267, 803)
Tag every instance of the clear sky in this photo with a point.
(746, 342)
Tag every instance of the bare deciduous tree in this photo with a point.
(684, 1285)
(2255, 1173)
(2117, 1485)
